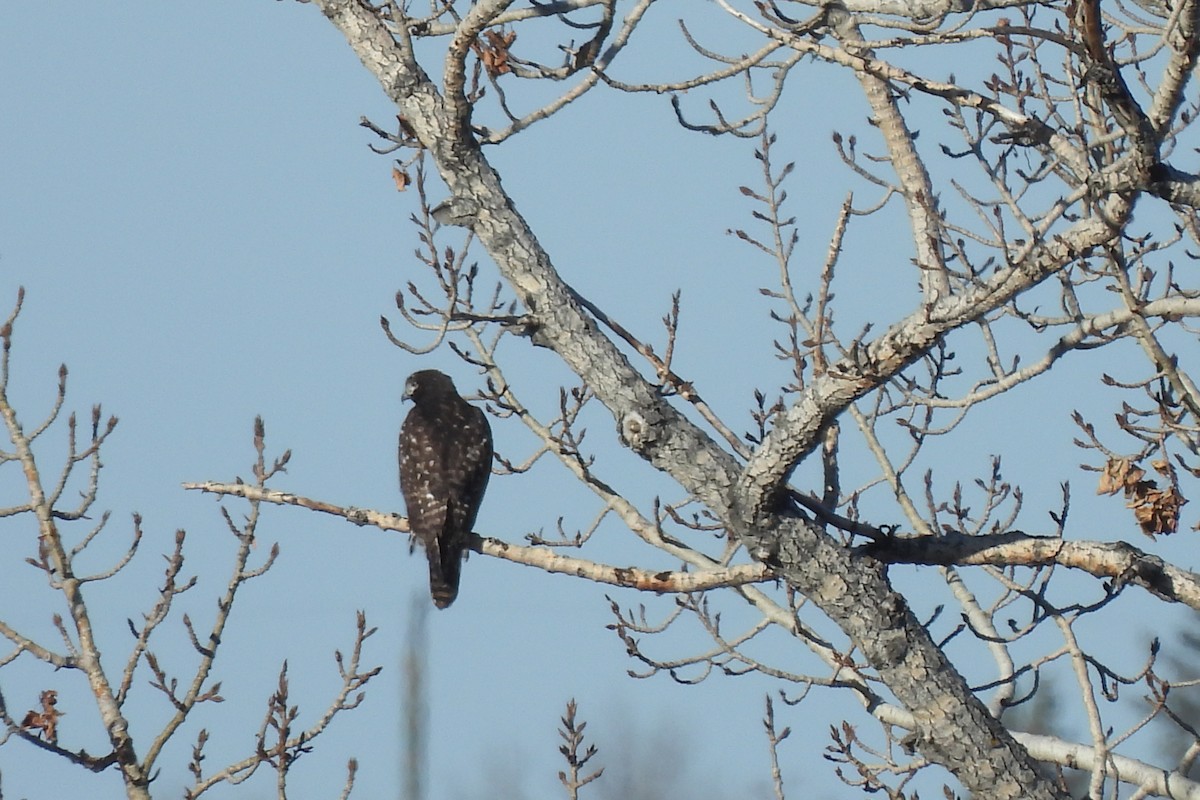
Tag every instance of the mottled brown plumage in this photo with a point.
(445, 462)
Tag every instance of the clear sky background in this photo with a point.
(204, 236)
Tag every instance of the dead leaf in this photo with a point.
(1156, 510)
(46, 721)
(401, 178)
(493, 53)
(1119, 474)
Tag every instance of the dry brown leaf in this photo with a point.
(401, 178)
(1156, 510)
(44, 721)
(1119, 474)
(493, 53)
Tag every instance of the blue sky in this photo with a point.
(204, 236)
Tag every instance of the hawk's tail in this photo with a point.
(445, 566)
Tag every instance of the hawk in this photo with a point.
(445, 462)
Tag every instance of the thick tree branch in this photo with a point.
(798, 432)
(1119, 561)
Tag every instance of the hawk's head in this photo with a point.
(428, 384)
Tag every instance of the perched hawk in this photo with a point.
(445, 462)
